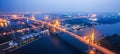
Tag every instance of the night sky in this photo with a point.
(60, 5)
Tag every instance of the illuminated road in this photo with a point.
(104, 50)
(99, 48)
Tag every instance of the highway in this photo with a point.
(85, 41)
(99, 48)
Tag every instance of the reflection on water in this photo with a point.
(56, 40)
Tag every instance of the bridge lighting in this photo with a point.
(57, 23)
(33, 17)
(93, 36)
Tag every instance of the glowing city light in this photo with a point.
(93, 17)
(14, 16)
(92, 52)
(3, 22)
(33, 17)
(57, 23)
(93, 36)
(46, 17)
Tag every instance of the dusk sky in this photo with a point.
(60, 5)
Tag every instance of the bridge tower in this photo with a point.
(33, 17)
(55, 23)
(92, 40)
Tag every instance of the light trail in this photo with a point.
(99, 48)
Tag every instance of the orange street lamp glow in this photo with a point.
(92, 52)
